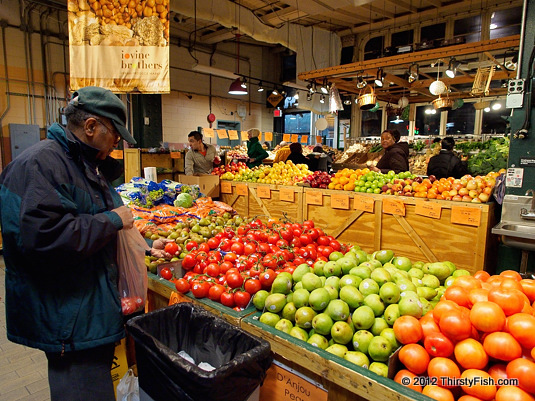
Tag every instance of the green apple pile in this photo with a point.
(348, 305)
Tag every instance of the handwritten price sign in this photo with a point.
(263, 191)
(364, 203)
(428, 209)
(242, 189)
(394, 206)
(314, 198)
(286, 195)
(226, 187)
(340, 201)
(469, 216)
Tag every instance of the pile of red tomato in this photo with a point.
(235, 264)
(478, 343)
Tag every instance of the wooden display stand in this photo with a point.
(135, 160)
(251, 199)
(420, 229)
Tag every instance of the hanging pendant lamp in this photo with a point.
(238, 87)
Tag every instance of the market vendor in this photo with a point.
(446, 163)
(296, 155)
(255, 151)
(200, 158)
(396, 155)
(282, 153)
(60, 220)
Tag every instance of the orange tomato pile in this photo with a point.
(478, 343)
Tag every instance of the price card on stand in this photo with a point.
(244, 136)
(364, 203)
(263, 191)
(226, 187)
(208, 132)
(470, 216)
(314, 198)
(268, 136)
(233, 135)
(295, 138)
(283, 383)
(222, 133)
(242, 189)
(175, 155)
(116, 154)
(428, 209)
(304, 138)
(286, 137)
(340, 201)
(394, 206)
(286, 195)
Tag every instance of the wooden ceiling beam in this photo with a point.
(416, 57)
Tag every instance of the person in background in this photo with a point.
(266, 146)
(200, 158)
(446, 164)
(282, 153)
(60, 217)
(296, 155)
(319, 160)
(255, 152)
(396, 155)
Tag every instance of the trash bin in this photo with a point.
(239, 358)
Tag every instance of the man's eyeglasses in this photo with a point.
(112, 130)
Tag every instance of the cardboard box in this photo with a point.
(208, 183)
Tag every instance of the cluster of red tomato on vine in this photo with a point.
(235, 264)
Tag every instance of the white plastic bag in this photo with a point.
(133, 281)
(128, 387)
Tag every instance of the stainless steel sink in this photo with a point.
(516, 228)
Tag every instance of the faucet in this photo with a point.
(529, 214)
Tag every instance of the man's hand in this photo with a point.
(126, 216)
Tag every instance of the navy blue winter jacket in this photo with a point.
(60, 241)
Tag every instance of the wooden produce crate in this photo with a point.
(421, 229)
(344, 381)
(263, 200)
(159, 292)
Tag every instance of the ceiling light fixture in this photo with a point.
(275, 92)
(397, 120)
(244, 83)
(361, 83)
(260, 87)
(347, 101)
(296, 96)
(414, 71)
(238, 87)
(379, 80)
(452, 67)
(322, 99)
(309, 97)
(496, 105)
(325, 87)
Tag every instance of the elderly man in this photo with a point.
(60, 217)
(200, 158)
(283, 152)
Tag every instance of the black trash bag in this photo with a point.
(241, 360)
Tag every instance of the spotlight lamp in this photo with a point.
(452, 67)
(361, 83)
(260, 87)
(496, 105)
(379, 80)
(275, 92)
(296, 96)
(309, 97)
(325, 87)
(347, 101)
(244, 83)
(414, 71)
(310, 88)
(322, 99)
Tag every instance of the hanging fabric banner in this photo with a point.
(120, 48)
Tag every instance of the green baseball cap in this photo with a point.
(102, 102)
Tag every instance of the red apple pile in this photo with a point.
(319, 179)
(232, 167)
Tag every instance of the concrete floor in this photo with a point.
(23, 370)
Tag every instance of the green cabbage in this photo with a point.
(184, 200)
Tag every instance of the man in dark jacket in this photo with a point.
(60, 217)
(396, 155)
(255, 151)
(446, 164)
